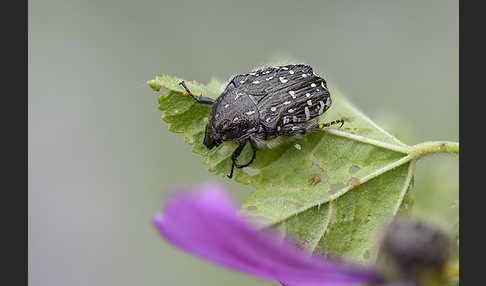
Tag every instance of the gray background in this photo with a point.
(101, 161)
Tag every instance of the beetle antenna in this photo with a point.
(187, 89)
(322, 125)
(201, 99)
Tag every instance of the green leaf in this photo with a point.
(330, 190)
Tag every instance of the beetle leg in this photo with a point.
(291, 130)
(235, 155)
(201, 99)
(253, 148)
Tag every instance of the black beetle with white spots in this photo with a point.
(264, 104)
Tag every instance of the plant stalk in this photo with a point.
(431, 147)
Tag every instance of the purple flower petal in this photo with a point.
(206, 223)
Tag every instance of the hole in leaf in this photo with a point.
(336, 187)
(251, 171)
(298, 147)
(315, 179)
(318, 171)
(353, 182)
(317, 168)
(353, 169)
(251, 208)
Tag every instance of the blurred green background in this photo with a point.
(101, 161)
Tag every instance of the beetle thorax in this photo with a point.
(234, 117)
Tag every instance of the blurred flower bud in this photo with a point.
(419, 251)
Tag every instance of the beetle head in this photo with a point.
(224, 131)
(211, 138)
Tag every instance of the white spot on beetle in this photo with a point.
(256, 82)
(292, 93)
(250, 112)
(285, 68)
(321, 109)
(309, 102)
(291, 72)
(322, 84)
(313, 85)
(286, 120)
(283, 80)
(226, 106)
(291, 110)
(252, 73)
(236, 119)
(317, 89)
(295, 119)
(307, 94)
(279, 128)
(287, 102)
(307, 113)
(304, 75)
(273, 109)
(242, 81)
(269, 78)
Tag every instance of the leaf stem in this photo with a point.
(414, 152)
(397, 148)
(432, 147)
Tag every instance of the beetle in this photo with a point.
(264, 104)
